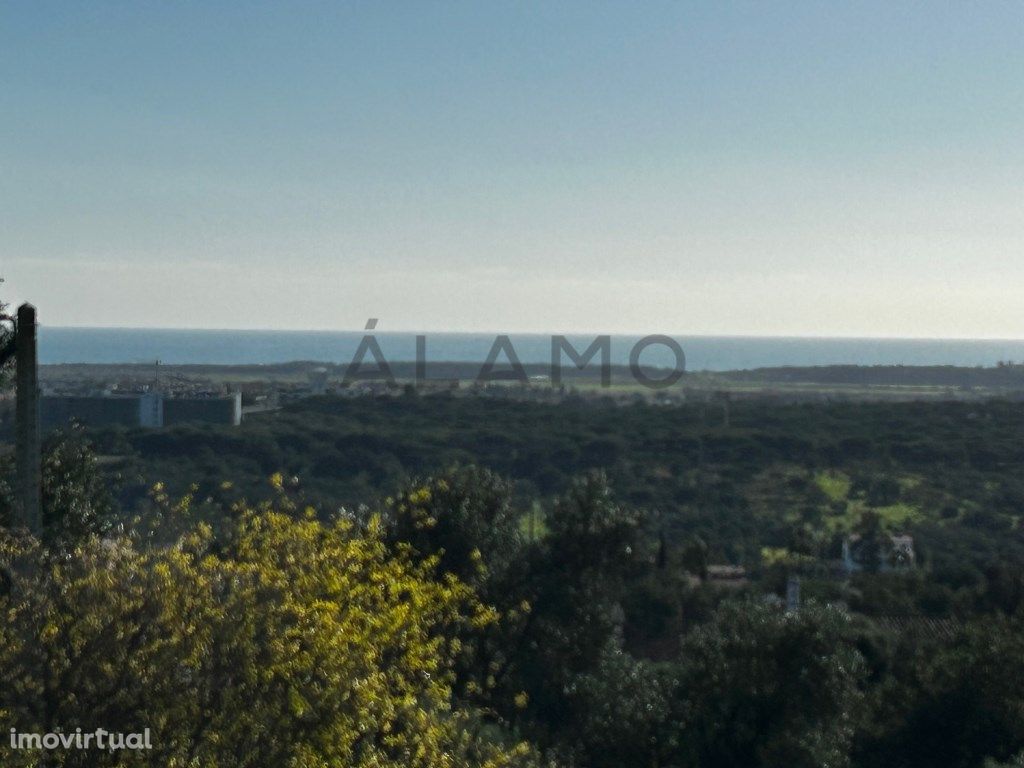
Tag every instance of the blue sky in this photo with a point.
(741, 168)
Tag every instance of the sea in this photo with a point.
(702, 353)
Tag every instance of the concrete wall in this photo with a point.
(57, 411)
(211, 410)
(151, 410)
(145, 410)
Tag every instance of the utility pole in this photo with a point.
(27, 443)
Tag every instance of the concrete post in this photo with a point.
(793, 594)
(27, 443)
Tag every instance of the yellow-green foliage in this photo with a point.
(290, 642)
(533, 525)
(782, 556)
(835, 485)
(898, 514)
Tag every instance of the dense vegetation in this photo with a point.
(552, 564)
(781, 481)
(285, 641)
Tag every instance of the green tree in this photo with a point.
(577, 580)
(591, 534)
(621, 713)
(464, 517)
(76, 499)
(954, 705)
(763, 687)
(6, 334)
(871, 530)
(695, 557)
(1015, 762)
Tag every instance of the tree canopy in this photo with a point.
(289, 641)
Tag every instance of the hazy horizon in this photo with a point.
(716, 353)
(568, 332)
(716, 169)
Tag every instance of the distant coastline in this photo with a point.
(703, 353)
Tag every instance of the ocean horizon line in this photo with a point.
(541, 334)
(709, 353)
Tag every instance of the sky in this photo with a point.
(797, 168)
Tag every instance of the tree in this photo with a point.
(622, 713)
(6, 335)
(872, 542)
(463, 517)
(76, 500)
(590, 533)
(695, 557)
(954, 705)
(1015, 762)
(763, 687)
(575, 588)
(883, 491)
(289, 642)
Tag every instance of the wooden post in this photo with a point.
(27, 443)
